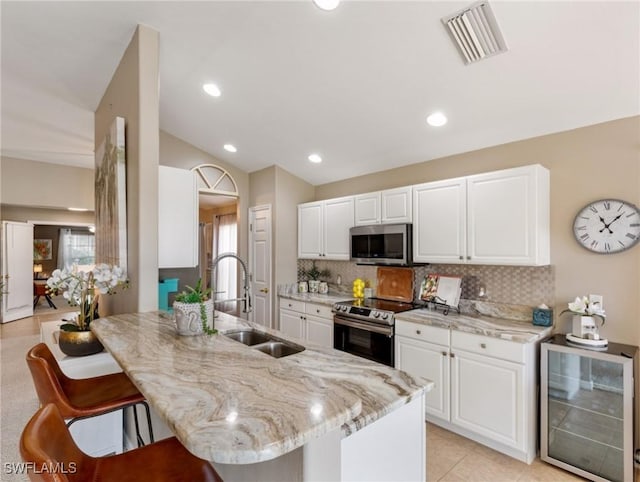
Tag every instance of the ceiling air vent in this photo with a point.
(476, 32)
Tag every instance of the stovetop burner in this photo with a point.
(374, 310)
(381, 305)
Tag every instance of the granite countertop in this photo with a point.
(505, 329)
(230, 403)
(518, 331)
(327, 299)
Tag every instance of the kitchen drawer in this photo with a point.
(323, 311)
(428, 333)
(486, 345)
(294, 305)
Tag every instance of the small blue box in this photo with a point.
(542, 317)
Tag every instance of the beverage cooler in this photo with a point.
(587, 409)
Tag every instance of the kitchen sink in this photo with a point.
(249, 337)
(264, 342)
(278, 349)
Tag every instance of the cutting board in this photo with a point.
(395, 284)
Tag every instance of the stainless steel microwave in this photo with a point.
(385, 244)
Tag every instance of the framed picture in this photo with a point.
(111, 197)
(41, 249)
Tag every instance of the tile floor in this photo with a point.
(450, 457)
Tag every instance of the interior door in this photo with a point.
(260, 264)
(17, 270)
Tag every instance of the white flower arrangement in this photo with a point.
(584, 307)
(83, 288)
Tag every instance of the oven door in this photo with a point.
(365, 339)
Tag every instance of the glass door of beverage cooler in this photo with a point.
(587, 409)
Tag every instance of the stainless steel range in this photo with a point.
(366, 327)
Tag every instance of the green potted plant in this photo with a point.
(314, 274)
(83, 289)
(193, 310)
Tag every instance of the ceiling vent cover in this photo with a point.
(476, 33)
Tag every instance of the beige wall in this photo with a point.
(585, 164)
(133, 94)
(59, 216)
(290, 191)
(40, 184)
(283, 191)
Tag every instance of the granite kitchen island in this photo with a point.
(320, 414)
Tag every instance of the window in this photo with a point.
(76, 247)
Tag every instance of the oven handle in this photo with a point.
(338, 320)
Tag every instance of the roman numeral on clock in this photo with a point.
(584, 237)
(593, 209)
(607, 247)
(594, 244)
(607, 205)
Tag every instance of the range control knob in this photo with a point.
(376, 314)
(385, 316)
(345, 308)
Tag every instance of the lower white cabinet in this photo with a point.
(485, 387)
(307, 321)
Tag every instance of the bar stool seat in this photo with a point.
(46, 442)
(85, 397)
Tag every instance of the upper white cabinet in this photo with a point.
(323, 228)
(396, 205)
(367, 209)
(177, 218)
(500, 217)
(387, 207)
(440, 225)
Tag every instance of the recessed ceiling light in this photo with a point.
(326, 4)
(315, 158)
(437, 119)
(230, 148)
(212, 89)
(77, 209)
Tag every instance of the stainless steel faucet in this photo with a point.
(246, 299)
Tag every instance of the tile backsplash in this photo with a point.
(512, 285)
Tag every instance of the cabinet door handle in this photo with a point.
(444, 353)
(452, 355)
(265, 290)
(317, 311)
(483, 345)
(461, 257)
(290, 305)
(468, 257)
(418, 332)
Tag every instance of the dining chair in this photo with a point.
(79, 398)
(51, 455)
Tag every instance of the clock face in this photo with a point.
(607, 226)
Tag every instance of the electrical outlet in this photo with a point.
(597, 299)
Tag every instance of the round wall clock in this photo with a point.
(607, 226)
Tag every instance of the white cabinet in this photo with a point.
(177, 218)
(307, 321)
(500, 217)
(439, 223)
(396, 205)
(428, 359)
(367, 209)
(323, 228)
(387, 207)
(485, 387)
(487, 397)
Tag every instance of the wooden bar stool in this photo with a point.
(53, 456)
(85, 397)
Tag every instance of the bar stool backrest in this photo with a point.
(48, 447)
(50, 382)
